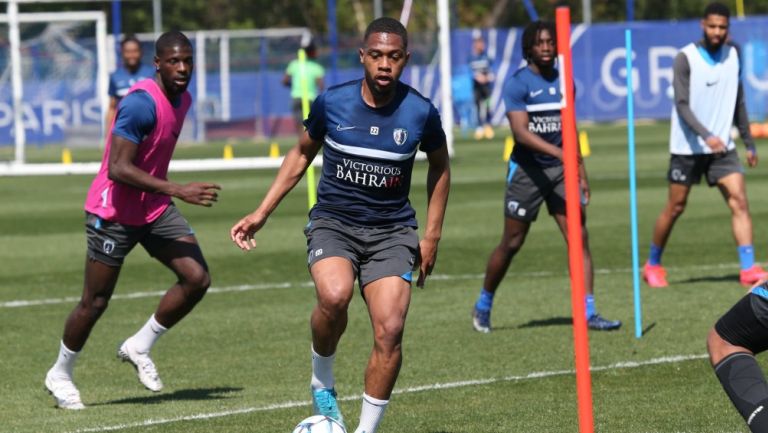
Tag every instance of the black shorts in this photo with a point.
(688, 169)
(481, 91)
(746, 323)
(109, 242)
(374, 252)
(529, 186)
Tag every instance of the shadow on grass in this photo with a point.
(730, 278)
(197, 394)
(552, 321)
(648, 328)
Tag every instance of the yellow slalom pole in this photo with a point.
(740, 8)
(584, 144)
(311, 184)
(509, 144)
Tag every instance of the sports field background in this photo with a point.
(240, 362)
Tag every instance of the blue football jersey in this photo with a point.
(541, 99)
(368, 153)
(122, 79)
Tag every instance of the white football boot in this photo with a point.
(144, 366)
(63, 391)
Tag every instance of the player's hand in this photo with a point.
(586, 194)
(716, 144)
(427, 258)
(242, 232)
(199, 193)
(752, 156)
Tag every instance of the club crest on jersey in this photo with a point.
(400, 135)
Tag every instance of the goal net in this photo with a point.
(63, 81)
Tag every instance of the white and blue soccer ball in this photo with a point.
(319, 424)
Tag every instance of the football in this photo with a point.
(319, 424)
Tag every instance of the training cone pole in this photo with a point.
(66, 156)
(633, 187)
(584, 144)
(311, 184)
(509, 144)
(573, 212)
(274, 150)
(228, 152)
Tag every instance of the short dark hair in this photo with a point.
(171, 39)
(130, 38)
(717, 8)
(387, 25)
(531, 33)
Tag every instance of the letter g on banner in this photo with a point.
(616, 87)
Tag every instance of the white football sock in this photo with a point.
(147, 336)
(65, 363)
(370, 416)
(322, 371)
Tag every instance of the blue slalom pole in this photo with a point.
(265, 89)
(531, 10)
(630, 10)
(633, 186)
(333, 40)
(117, 29)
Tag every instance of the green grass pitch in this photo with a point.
(240, 362)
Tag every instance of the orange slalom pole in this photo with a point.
(573, 213)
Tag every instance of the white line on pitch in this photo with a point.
(409, 390)
(287, 285)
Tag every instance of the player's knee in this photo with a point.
(677, 208)
(738, 203)
(388, 334)
(196, 279)
(334, 301)
(512, 244)
(94, 307)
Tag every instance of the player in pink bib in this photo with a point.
(129, 202)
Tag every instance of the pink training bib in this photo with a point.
(124, 204)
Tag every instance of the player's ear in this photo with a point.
(407, 57)
(157, 63)
(361, 52)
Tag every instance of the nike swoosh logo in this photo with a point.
(536, 93)
(711, 84)
(344, 128)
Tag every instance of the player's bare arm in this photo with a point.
(438, 186)
(294, 165)
(123, 170)
(518, 122)
(741, 120)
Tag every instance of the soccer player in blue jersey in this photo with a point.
(129, 73)
(363, 226)
(532, 99)
(482, 86)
